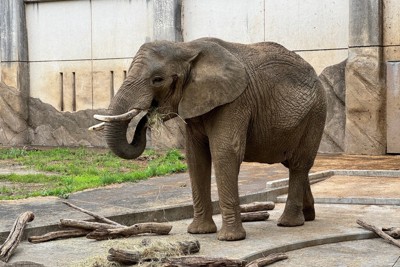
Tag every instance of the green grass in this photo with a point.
(67, 170)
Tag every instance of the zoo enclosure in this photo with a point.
(73, 54)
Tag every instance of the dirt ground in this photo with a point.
(356, 162)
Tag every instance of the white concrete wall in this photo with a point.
(391, 30)
(231, 20)
(94, 41)
(317, 30)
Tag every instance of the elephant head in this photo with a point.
(185, 79)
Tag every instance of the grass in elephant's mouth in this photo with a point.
(61, 171)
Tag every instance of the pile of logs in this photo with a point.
(108, 229)
(105, 229)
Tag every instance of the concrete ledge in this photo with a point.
(373, 173)
(350, 200)
(321, 176)
(310, 243)
(314, 177)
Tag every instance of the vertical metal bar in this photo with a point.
(61, 91)
(112, 85)
(73, 92)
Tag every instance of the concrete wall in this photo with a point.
(317, 30)
(74, 54)
(391, 30)
(79, 54)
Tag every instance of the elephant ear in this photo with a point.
(217, 78)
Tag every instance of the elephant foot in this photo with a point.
(291, 219)
(202, 227)
(309, 214)
(231, 233)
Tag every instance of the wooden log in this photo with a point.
(86, 225)
(13, 239)
(124, 256)
(202, 261)
(133, 257)
(267, 260)
(140, 228)
(94, 215)
(379, 232)
(58, 234)
(21, 264)
(257, 206)
(254, 216)
(392, 231)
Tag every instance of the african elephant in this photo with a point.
(256, 103)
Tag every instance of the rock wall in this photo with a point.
(333, 79)
(45, 126)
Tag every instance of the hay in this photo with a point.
(156, 120)
(96, 261)
(149, 248)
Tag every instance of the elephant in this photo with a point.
(241, 102)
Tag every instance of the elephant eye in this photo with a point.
(157, 80)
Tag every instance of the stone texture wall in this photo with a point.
(365, 80)
(333, 79)
(45, 125)
(14, 65)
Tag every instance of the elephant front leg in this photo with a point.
(199, 162)
(298, 202)
(226, 171)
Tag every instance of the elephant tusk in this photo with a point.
(123, 117)
(97, 127)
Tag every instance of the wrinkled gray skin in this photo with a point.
(255, 103)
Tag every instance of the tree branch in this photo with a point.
(267, 260)
(86, 225)
(379, 232)
(140, 228)
(96, 216)
(58, 234)
(13, 239)
(254, 216)
(257, 206)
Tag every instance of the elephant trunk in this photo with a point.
(115, 134)
(132, 98)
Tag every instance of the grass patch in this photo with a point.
(67, 170)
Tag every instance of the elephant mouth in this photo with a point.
(113, 118)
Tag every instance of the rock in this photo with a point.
(333, 80)
(45, 126)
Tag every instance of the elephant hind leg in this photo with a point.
(300, 202)
(293, 213)
(308, 204)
